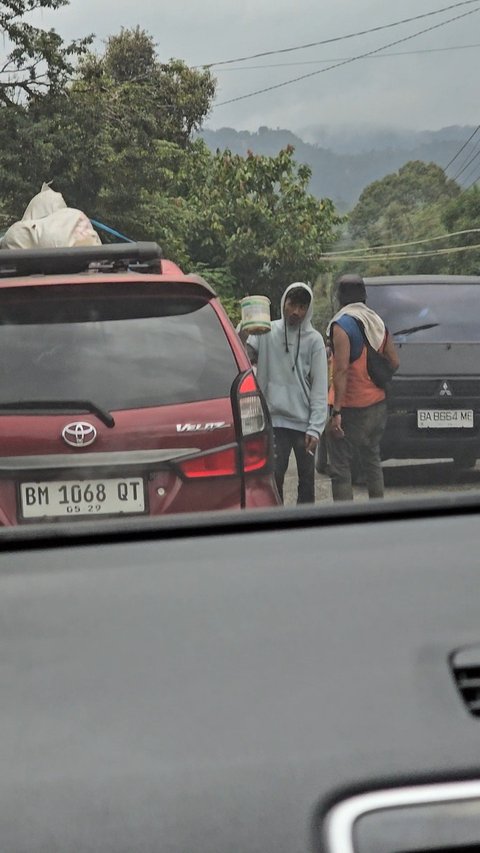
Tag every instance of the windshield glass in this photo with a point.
(429, 312)
(121, 347)
(248, 274)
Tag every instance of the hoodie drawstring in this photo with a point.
(298, 343)
(298, 348)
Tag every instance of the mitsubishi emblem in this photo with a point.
(445, 390)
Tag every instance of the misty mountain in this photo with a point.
(345, 139)
(345, 160)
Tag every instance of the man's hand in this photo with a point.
(334, 426)
(311, 442)
(243, 335)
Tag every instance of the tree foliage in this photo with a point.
(159, 100)
(37, 60)
(403, 212)
(112, 140)
(383, 204)
(221, 279)
(255, 217)
(463, 214)
(113, 130)
(115, 136)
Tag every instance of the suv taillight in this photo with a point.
(220, 463)
(252, 417)
(253, 452)
(253, 425)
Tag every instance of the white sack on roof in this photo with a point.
(49, 224)
(65, 227)
(47, 201)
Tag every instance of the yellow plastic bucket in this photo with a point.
(256, 314)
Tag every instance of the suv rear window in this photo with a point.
(123, 346)
(450, 311)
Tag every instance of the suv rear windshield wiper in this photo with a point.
(61, 406)
(414, 329)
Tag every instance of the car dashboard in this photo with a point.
(279, 681)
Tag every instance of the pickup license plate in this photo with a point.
(74, 498)
(445, 418)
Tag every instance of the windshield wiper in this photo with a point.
(60, 405)
(414, 329)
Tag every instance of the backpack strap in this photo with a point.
(364, 336)
(355, 353)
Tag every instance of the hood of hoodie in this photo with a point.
(292, 371)
(306, 324)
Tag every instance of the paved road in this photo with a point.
(407, 478)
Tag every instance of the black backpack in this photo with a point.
(379, 368)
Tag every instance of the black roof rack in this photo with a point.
(143, 257)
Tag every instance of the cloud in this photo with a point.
(418, 91)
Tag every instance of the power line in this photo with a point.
(404, 243)
(467, 177)
(404, 255)
(346, 61)
(336, 38)
(341, 58)
(464, 163)
(469, 162)
(462, 148)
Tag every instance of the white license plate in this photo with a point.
(445, 418)
(74, 498)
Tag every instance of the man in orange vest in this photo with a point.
(359, 410)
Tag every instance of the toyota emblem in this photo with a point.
(79, 434)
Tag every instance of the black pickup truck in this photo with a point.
(434, 401)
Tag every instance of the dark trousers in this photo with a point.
(363, 432)
(287, 440)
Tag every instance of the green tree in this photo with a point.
(223, 283)
(463, 214)
(402, 228)
(163, 100)
(414, 186)
(117, 143)
(402, 208)
(37, 61)
(113, 140)
(130, 56)
(132, 118)
(255, 217)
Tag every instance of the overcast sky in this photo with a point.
(418, 90)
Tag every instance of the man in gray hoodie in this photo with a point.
(292, 373)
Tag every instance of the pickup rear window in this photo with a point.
(444, 313)
(123, 346)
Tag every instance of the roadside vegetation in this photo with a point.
(116, 132)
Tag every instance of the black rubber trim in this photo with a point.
(81, 460)
(279, 519)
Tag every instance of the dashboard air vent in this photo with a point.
(466, 670)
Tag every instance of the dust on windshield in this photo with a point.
(242, 278)
(444, 312)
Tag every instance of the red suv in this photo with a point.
(124, 391)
